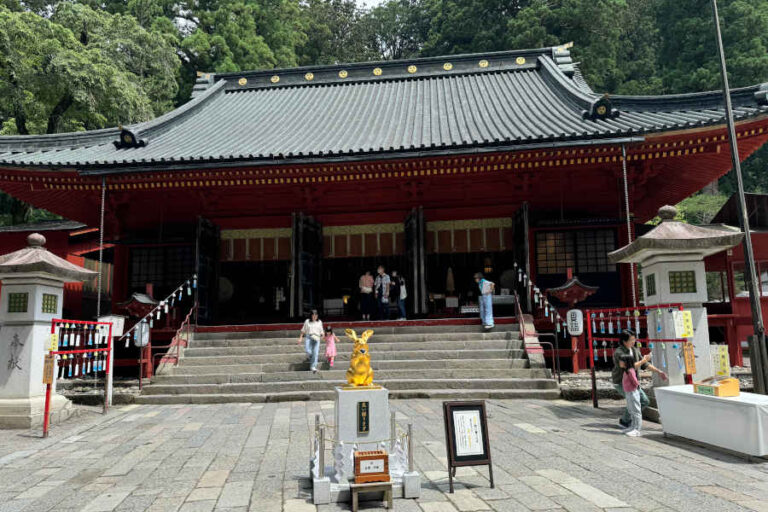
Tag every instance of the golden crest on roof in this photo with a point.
(343, 73)
(377, 71)
(242, 81)
(309, 76)
(447, 66)
(412, 68)
(483, 63)
(274, 79)
(520, 61)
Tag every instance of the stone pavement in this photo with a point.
(548, 455)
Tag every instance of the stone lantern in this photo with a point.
(32, 294)
(671, 262)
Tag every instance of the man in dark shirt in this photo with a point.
(627, 340)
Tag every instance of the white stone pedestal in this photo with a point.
(348, 438)
(331, 483)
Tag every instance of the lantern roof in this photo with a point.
(36, 258)
(673, 237)
(521, 99)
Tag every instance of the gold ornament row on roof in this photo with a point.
(309, 76)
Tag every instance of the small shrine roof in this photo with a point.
(508, 100)
(36, 258)
(672, 236)
(48, 225)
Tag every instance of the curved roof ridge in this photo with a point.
(741, 96)
(53, 141)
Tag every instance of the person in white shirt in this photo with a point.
(486, 289)
(312, 332)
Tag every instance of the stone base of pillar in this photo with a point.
(26, 413)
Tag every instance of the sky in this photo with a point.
(368, 3)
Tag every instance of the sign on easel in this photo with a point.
(466, 437)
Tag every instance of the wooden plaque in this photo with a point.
(466, 437)
(48, 365)
(371, 466)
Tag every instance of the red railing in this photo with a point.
(638, 319)
(79, 348)
(181, 338)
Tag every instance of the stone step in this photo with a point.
(467, 394)
(379, 330)
(298, 357)
(395, 364)
(339, 374)
(346, 347)
(319, 385)
(375, 340)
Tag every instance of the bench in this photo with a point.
(385, 487)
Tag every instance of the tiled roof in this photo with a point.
(420, 107)
(46, 225)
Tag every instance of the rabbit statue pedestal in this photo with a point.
(351, 404)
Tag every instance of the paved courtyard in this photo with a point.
(547, 456)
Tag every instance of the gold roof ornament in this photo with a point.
(377, 71)
(360, 373)
(412, 69)
(343, 73)
(242, 81)
(447, 66)
(520, 61)
(483, 63)
(274, 79)
(309, 76)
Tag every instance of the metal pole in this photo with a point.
(101, 244)
(749, 258)
(410, 447)
(321, 455)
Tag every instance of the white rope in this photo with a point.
(101, 245)
(629, 223)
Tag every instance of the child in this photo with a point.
(330, 345)
(631, 385)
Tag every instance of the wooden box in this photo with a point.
(371, 466)
(717, 387)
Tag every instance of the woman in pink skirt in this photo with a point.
(330, 345)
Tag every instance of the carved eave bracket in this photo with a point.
(128, 139)
(601, 109)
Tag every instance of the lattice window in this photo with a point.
(17, 302)
(592, 248)
(50, 303)
(584, 251)
(650, 285)
(682, 281)
(554, 252)
(164, 267)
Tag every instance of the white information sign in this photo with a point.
(575, 319)
(372, 466)
(469, 435)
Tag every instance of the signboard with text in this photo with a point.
(466, 437)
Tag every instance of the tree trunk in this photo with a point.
(58, 111)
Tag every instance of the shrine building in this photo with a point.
(279, 188)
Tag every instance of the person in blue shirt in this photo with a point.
(486, 289)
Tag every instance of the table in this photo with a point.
(738, 423)
(385, 487)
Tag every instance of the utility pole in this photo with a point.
(750, 275)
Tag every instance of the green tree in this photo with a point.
(335, 32)
(396, 29)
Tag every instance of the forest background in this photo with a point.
(89, 64)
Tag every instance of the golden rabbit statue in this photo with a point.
(359, 372)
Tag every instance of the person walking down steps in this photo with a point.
(312, 334)
(330, 345)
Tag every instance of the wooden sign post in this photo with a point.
(466, 437)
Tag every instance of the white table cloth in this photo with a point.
(737, 423)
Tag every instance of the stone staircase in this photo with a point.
(427, 361)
